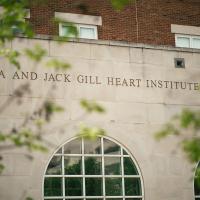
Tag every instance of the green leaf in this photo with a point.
(186, 118)
(2, 167)
(71, 30)
(90, 133)
(169, 129)
(120, 4)
(11, 55)
(91, 106)
(36, 54)
(50, 108)
(29, 198)
(192, 149)
(57, 64)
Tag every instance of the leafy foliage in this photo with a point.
(12, 20)
(11, 55)
(36, 54)
(186, 125)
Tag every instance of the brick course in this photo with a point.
(145, 21)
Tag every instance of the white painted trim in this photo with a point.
(188, 30)
(79, 18)
(190, 37)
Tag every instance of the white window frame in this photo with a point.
(79, 26)
(103, 156)
(190, 37)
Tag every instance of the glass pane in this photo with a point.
(73, 147)
(112, 166)
(92, 146)
(111, 147)
(73, 186)
(134, 199)
(196, 43)
(74, 199)
(95, 199)
(68, 31)
(53, 186)
(59, 151)
(132, 186)
(113, 186)
(55, 166)
(114, 199)
(92, 165)
(73, 165)
(197, 186)
(129, 167)
(183, 42)
(93, 186)
(86, 32)
(124, 152)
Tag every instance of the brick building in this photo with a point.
(147, 22)
(141, 64)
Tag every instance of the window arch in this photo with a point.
(92, 170)
(197, 183)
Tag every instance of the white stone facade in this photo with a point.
(117, 77)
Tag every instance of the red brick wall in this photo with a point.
(146, 21)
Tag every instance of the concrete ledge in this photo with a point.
(79, 18)
(116, 43)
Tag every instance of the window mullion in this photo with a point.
(122, 172)
(103, 169)
(63, 172)
(83, 167)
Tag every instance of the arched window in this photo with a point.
(197, 183)
(92, 170)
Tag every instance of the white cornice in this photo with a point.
(188, 30)
(79, 18)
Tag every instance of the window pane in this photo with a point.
(68, 31)
(114, 199)
(93, 186)
(55, 166)
(88, 33)
(92, 165)
(111, 147)
(53, 186)
(73, 186)
(133, 199)
(92, 146)
(113, 186)
(73, 147)
(124, 152)
(73, 165)
(112, 166)
(196, 43)
(132, 186)
(94, 199)
(59, 151)
(129, 167)
(183, 42)
(197, 186)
